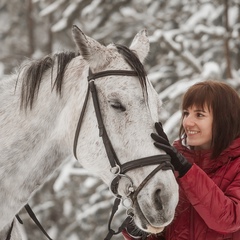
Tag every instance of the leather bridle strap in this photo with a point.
(80, 123)
(93, 76)
(162, 166)
(164, 162)
(102, 131)
(35, 220)
(113, 159)
(142, 162)
(111, 232)
(10, 232)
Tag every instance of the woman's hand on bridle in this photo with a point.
(179, 162)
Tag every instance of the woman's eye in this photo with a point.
(118, 106)
(200, 115)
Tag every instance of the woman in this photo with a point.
(207, 159)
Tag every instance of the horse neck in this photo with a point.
(72, 99)
(51, 114)
(33, 143)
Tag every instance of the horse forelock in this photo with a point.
(132, 59)
(33, 74)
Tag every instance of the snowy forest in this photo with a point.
(190, 41)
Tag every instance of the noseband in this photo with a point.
(118, 169)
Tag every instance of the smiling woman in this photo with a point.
(207, 160)
(222, 102)
(197, 123)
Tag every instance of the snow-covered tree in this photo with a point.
(191, 40)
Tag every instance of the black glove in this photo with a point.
(178, 161)
(135, 232)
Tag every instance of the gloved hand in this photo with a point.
(179, 162)
(131, 232)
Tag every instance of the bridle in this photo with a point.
(119, 170)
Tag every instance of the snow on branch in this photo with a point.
(172, 122)
(67, 17)
(177, 89)
(70, 10)
(93, 209)
(66, 172)
(179, 50)
(90, 8)
(51, 8)
(60, 25)
(216, 31)
(199, 16)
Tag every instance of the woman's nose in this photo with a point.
(188, 121)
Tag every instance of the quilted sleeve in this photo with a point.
(219, 209)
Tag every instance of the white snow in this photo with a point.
(51, 8)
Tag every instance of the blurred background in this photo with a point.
(191, 41)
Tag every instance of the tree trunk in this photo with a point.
(30, 25)
(50, 35)
(226, 42)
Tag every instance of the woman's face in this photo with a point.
(197, 123)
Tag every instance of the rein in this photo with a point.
(117, 168)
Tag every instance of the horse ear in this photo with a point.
(140, 45)
(90, 49)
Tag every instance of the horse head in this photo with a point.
(129, 106)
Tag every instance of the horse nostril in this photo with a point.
(158, 200)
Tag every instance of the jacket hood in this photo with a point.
(202, 158)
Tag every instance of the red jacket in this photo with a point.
(209, 197)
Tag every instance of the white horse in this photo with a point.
(39, 112)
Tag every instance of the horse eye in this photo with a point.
(118, 106)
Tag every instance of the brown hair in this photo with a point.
(224, 102)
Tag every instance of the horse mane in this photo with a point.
(34, 73)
